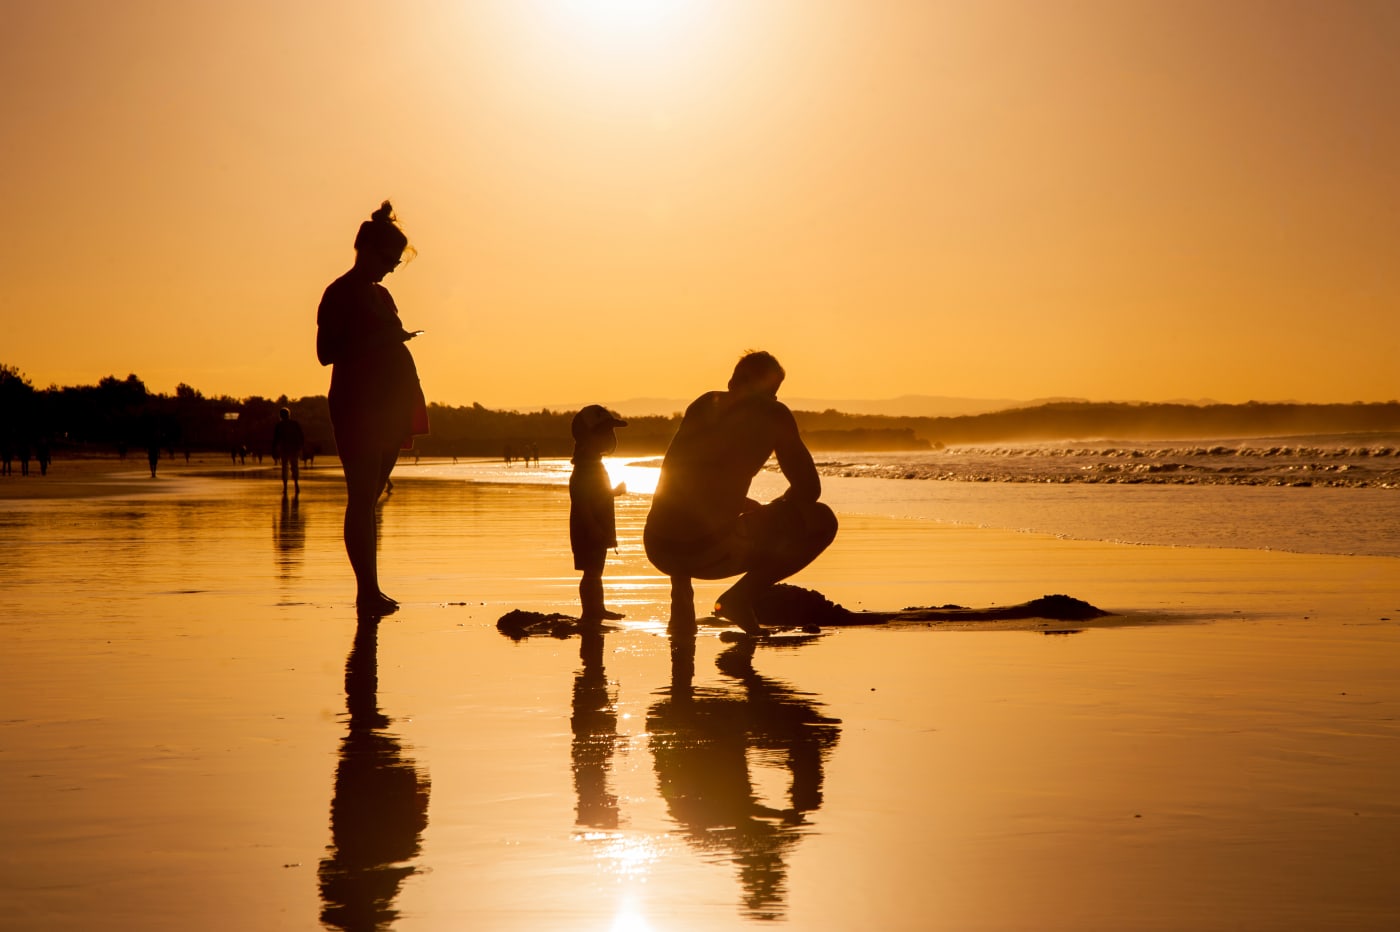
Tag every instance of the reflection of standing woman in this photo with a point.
(375, 401)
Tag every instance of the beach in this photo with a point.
(198, 734)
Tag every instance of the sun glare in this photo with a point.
(625, 20)
(629, 918)
(639, 475)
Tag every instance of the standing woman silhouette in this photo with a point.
(375, 399)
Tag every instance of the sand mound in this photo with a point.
(794, 607)
(786, 607)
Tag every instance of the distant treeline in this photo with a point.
(121, 413)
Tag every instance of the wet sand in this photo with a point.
(197, 734)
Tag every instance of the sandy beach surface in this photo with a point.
(197, 734)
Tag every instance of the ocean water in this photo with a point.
(1325, 495)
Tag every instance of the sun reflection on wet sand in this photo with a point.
(630, 918)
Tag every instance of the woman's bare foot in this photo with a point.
(377, 604)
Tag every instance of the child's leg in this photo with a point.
(590, 595)
(591, 589)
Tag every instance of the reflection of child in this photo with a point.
(592, 523)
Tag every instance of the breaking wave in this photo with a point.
(1368, 461)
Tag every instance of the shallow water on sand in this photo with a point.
(197, 734)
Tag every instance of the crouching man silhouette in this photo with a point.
(702, 523)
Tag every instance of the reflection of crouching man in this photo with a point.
(703, 525)
(287, 443)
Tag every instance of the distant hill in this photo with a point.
(1079, 420)
(903, 406)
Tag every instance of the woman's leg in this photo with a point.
(365, 474)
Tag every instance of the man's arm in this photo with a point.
(795, 460)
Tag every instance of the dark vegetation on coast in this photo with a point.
(119, 413)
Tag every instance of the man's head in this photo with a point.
(757, 372)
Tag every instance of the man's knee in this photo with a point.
(807, 525)
(822, 524)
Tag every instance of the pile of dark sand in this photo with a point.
(788, 607)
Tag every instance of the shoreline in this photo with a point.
(108, 475)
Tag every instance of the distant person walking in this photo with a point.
(376, 403)
(703, 525)
(287, 441)
(153, 455)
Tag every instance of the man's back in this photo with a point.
(723, 441)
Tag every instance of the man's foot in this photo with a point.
(734, 608)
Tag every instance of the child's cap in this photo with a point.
(593, 418)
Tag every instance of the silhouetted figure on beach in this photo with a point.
(700, 742)
(24, 457)
(592, 519)
(594, 724)
(287, 441)
(376, 403)
(7, 457)
(380, 806)
(153, 455)
(703, 525)
(44, 456)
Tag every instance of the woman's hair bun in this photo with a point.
(381, 231)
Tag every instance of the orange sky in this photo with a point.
(1112, 199)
